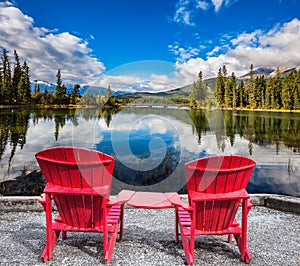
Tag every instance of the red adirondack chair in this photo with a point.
(78, 180)
(216, 187)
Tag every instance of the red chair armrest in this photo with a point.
(240, 194)
(176, 200)
(91, 191)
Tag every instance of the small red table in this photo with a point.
(149, 200)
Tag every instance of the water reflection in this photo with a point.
(152, 144)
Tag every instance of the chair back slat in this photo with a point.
(71, 167)
(217, 175)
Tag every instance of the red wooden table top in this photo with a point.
(148, 200)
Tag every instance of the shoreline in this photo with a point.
(75, 106)
(149, 239)
(273, 201)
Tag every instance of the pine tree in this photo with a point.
(1, 93)
(287, 95)
(240, 95)
(230, 91)
(6, 78)
(27, 88)
(263, 91)
(269, 99)
(277, 83)
(75, 94)
(24, 92)
(21, 90)
(16, 78)
(259, 92)
(202, 90)
(220, 88)
(194, 92)
(35, 88)
(249, 88)
(296, 90)
(224, 71)
(108, 93)
(60, 89)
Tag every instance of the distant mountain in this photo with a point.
(268, 72)
(44, 85)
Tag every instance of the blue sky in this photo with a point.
(149, 45)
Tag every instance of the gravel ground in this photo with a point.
(273, 239)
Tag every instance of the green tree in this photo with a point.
(75, 94)
(249, 88)
(287, 94)
(259, 92)
(60, 89)
(270, 94)
(16, 78)
(240, 95)
(200, 91)
(220, 88)
(24, 92)
(296, 90)
(230, 91)
(277, 83)
(27, 87)
(194, 93)
(108, 93)
(109, 100)
(88, 99)
(5, 78)
(1, 86)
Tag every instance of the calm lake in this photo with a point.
(151, 145)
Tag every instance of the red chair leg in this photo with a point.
(51, 235)
(111, 244)
(188, 249)
(241, 239)
(121, 224)
(50, 244)
(176, 225)
(64, 235)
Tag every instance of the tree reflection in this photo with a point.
(260, 128)
(200, 124)
(13, 131)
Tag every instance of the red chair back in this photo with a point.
(217, 175)
(79, 181)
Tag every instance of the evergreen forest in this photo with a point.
(256, 92)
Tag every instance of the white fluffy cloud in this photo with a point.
(183, 13)
(183, 53)
(277, 47)
(133, 83)
(187, 9)
(203, 5)
(46, 50)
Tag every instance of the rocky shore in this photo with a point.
(149, 239)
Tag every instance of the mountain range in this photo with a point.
(269, 72)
